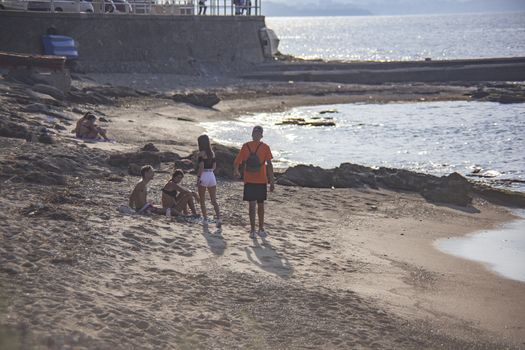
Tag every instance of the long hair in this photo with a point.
(204, 145)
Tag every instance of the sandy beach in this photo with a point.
(346, 268)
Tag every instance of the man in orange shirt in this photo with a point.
(256, 157)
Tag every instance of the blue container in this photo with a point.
(60, 45)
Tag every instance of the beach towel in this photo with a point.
(124, 209)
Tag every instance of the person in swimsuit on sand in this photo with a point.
(138, 198)
(87, 128)
(206, 178)
(176, 198)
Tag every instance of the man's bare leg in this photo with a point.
(251, 207)
(260, 212)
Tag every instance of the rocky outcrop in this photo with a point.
(138, 158)
(454, 189)
(502, 93)
(207, 100)
(149, 147)
(49, 90)
(307, 176)
(148, 155)
(135, 160)
(48, 165)
(13, 130)
(451, 189)
(500, 196)
(224, 157)
(307, 122)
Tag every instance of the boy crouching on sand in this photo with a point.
(138, 198)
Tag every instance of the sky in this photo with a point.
(387, 7)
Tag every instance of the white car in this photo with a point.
(60, 5)
(45, 5)
(15, 5)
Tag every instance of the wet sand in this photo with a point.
(341, 268)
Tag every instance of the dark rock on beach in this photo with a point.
(207, 100)
(47, 164)
(307, 176)
(224, 157)
(49, 90)
(135, 160)
(13, 130)
(452, 189)
(138, 158)
(149, 147)
(500, 196)
(185, 164)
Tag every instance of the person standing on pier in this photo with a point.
(202, 7)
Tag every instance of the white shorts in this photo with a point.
(207, 179)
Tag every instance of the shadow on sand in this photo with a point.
(215, 241)
(265, 257)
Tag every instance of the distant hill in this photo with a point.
(386, 7)
(328, 8)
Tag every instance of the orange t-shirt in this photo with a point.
(264, 155)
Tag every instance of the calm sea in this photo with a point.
(431, 137)
(402, 37)
(501, 250)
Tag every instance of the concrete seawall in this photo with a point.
(466, 70)
(142, 43)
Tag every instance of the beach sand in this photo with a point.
(341, 268)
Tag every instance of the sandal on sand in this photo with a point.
(253, 234)
(262, 234)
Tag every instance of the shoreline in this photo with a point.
(495, 178)
(493, 263)
(342, 268)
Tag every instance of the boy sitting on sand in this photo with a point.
(138, 197)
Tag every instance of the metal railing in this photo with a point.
(140, 7)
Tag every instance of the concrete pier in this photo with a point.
(142, 43)
(467, 70)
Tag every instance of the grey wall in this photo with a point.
(140, 43)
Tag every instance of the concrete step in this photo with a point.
(371, 65)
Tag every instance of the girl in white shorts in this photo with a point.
(206, 178)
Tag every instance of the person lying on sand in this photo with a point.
(87, 128)
(138, 198)
(178, 198)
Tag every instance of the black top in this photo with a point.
(208, 163)
(170, 193)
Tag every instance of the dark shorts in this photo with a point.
(254, 192)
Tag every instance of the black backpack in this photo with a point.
(253, 163)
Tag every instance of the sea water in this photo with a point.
(502, 250)
(387, 38)
(438, 138)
